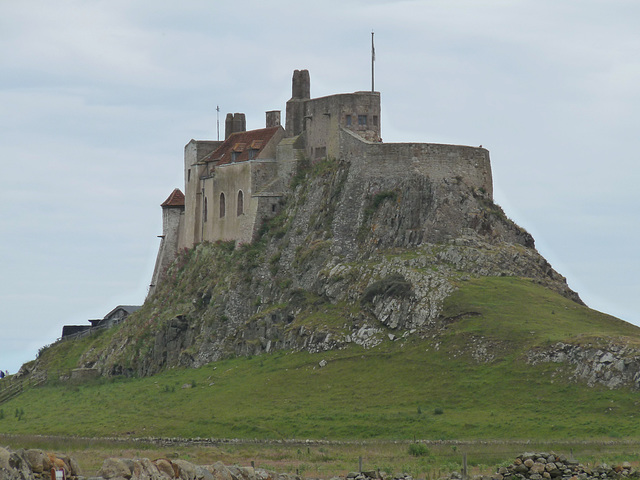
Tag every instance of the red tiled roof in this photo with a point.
(176, 199)
(240, 143)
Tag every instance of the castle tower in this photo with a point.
(300, 93)
(172, 213)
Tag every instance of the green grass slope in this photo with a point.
(427, 388)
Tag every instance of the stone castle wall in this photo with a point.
(194, 153)
(172, 220)
(223, 219)
(358, 112)
(438, 162)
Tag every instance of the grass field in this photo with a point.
(429, 388)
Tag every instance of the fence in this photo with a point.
(11, 387)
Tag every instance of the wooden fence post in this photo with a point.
(464, 466)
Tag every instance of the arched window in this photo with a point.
(223, 208)
(205, 212)
(240, 202)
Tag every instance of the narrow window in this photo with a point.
(362, 120)
(273, 207)
(188, 175)
(375, 120)
(222, 206)
(205, 212)
(240, 202)
(348, 120)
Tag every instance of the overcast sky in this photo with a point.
(98, 99)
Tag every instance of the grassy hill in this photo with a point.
(469, 380)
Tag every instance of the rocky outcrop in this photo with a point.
(38, 465)
(35, 464)
(551, 466)
(352, 258)
(539, 466)
(613, 365)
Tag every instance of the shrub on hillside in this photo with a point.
(418, 450)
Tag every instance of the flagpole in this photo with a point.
(373, 59)
(218, 120)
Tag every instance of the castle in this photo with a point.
(233, 186)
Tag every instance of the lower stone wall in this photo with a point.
(38, 465)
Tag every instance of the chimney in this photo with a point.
(273, 118)
(234, 123)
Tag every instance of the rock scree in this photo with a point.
(543, 466)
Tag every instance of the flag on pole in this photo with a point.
(373, 49)
(373, 59)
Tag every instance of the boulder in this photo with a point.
(14, 465)
(144, 469)
(166, 468)
(115, 468)
(537, 468)
(38, 460)
(186, 470)
(219, 471)
(71, 466)
(4, 458)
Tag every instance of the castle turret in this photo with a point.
(172, 214)
(300, 93)
(301, 85)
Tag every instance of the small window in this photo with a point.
(240, 203)
(252, 153)
(205, 210)
(223, 207)
(348, 120)
(273, 208)
(375, 120)
(362, 120)
(188, 175)
(234, 156)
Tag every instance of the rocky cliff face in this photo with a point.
(350, 259)
(612, 365)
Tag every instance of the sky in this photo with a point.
(98, 99)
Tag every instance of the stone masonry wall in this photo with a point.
(431, 194)
(438, 162)
(325, 116)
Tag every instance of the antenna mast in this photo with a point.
(218, 120)
(373, 59)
